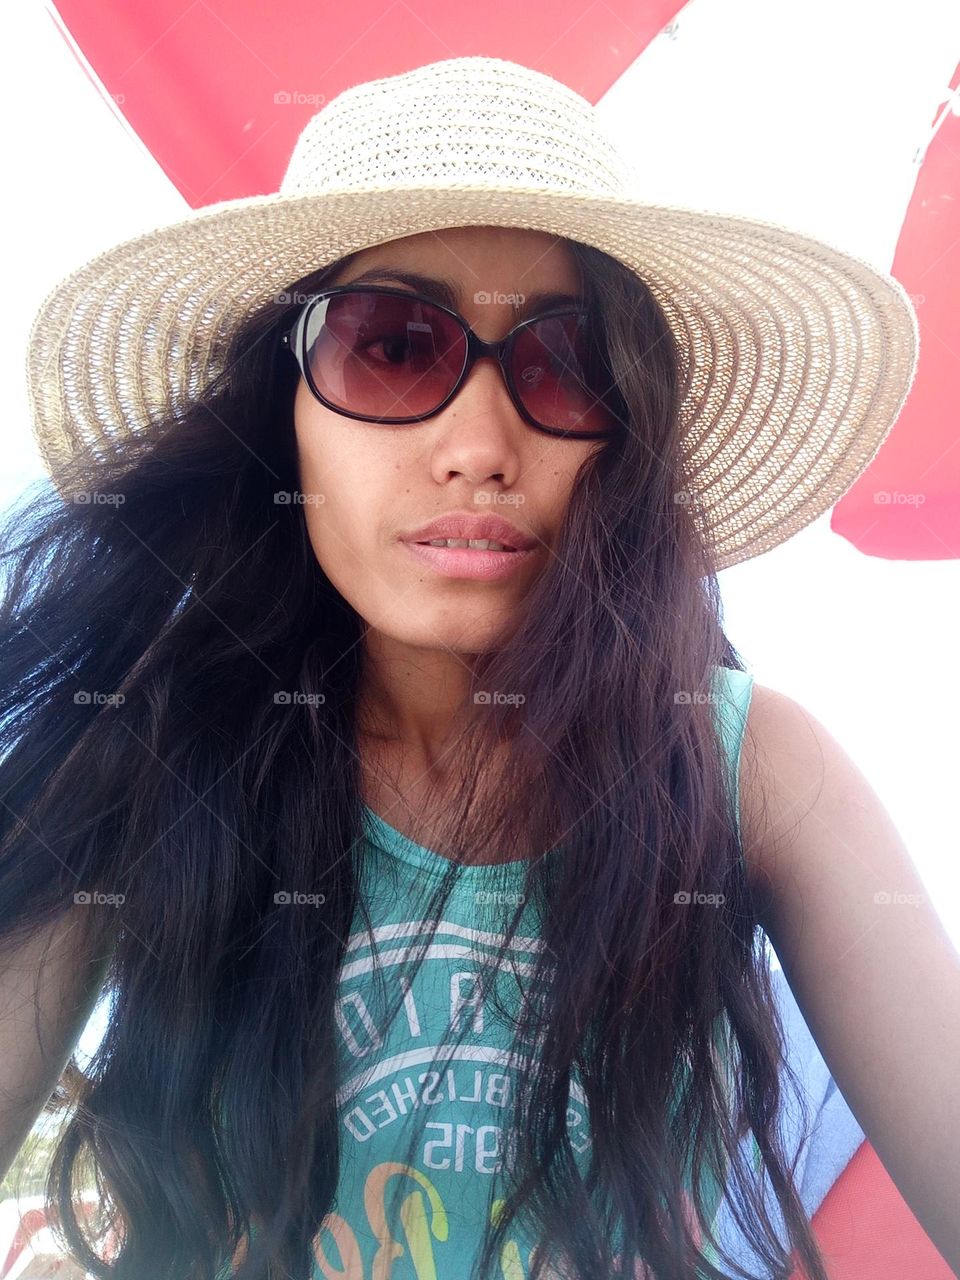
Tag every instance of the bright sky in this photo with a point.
(821, 141)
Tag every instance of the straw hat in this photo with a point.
(797, 357)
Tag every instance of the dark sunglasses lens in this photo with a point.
(383, 356)
(561, 377)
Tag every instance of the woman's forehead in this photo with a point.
(528, 257)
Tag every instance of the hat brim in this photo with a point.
(797, 356)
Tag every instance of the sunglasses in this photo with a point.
(388, 355)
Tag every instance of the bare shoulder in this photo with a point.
(793, 774)
(873, 969)
(809, 817)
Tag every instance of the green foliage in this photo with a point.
(28, 1173)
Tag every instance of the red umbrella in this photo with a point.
(906, 505)
(219, 91)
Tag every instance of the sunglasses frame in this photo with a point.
(294, 339)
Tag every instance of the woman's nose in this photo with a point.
(482, 430)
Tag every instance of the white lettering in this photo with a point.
(472, 1000)
(356, 1001)
(385, 1108)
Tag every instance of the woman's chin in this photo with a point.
(461, 635)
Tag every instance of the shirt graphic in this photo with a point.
(424, 1220)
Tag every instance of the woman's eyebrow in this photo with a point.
(445, 291)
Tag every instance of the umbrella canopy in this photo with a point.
(906, 505)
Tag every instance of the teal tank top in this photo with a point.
(395, 1076)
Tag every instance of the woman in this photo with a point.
(418, 872)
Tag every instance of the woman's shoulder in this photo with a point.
(770, 721)
(785, 758)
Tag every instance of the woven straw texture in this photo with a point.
(796, 356)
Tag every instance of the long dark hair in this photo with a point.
(143, 637)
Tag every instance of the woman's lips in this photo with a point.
(467, 562)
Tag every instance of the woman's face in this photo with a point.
(365, 483)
